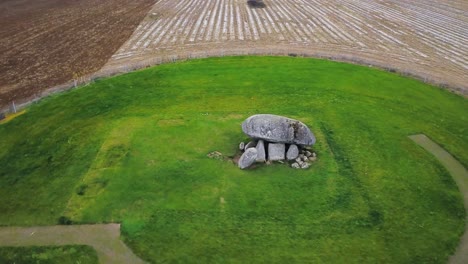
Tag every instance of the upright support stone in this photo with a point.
(293, 152)
(276, 151)
(261, 156)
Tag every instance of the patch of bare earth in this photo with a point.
(44, 43)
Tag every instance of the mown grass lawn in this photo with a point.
(133, 149)
(46, 255)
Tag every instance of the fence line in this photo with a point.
(162, 59)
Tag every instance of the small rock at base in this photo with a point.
(295, 165)
(305, 165)
(308, 153)
(313, 159)
(292, 153)
(242, 146)
(248, 158)
(215, 155)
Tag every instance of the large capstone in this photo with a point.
(276, 151)
(248, 158)
(279, 129)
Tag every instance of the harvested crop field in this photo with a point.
(48, 42)
(427, 38)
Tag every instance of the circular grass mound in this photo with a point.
(133, 149)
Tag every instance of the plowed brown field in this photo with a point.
(48, 42)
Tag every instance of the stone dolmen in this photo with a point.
(276, 138)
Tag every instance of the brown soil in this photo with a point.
(44, 43)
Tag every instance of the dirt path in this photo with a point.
(105, 239)
(460, 175)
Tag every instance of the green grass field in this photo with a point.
(133, 148)
(46, 255)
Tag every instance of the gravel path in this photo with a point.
(105, 239)
(460, 175)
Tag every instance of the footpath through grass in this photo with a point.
(133, 149)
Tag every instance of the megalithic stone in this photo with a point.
(261, 157)
(293, 152)
(278, 129)
(276, 151)
(248, 158)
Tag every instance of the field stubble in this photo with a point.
(424, 38)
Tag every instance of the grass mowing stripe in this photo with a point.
(346, 170)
